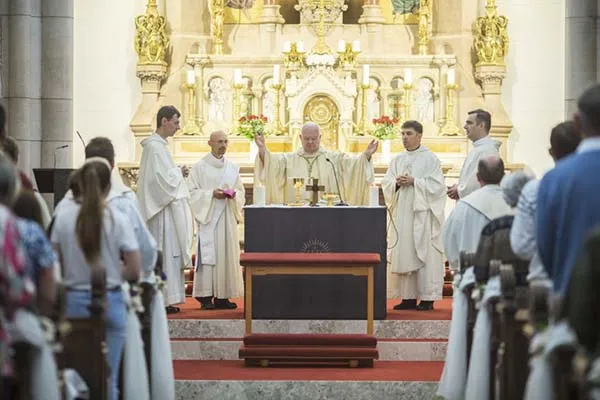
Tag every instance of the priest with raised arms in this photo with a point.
(355, 174)
(415, 194)
(164, 202)
(217, 199)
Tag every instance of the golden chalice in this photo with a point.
(329, 197)
(298, 189)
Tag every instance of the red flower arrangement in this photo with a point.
(385, 127)
(252, 125)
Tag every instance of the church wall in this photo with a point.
(107, 91)
(534, 89)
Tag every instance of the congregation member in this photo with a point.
(569, 195)
(274, 171)
(217, 200)
(88, 235)
(477, 127)
(564, 139)
(163, 196)
(414, 192)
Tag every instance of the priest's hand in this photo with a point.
(219, 194)
(260, 142)
(185, 171)
(405, 181)
(371, 148)
(452, 192)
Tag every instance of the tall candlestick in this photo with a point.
(287, 46)
(341, 46)
(300, 46)
(191, 77)
(451, 77)
(356, 46)
(276, 73)
(408, 76)
(366, 74)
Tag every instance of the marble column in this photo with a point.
(271, 23)
(371, 22)
(22, 61)
(581, 43)
(57, 83)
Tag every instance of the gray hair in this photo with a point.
(9, 183)
(310, 126)
(512, 185)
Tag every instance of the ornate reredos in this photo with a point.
(391, 36)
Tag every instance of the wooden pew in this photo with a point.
(513, 365)
(84, 347)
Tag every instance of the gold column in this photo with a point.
(362, 126)
(217, 14)
(424, 16)
(408, 87)
(191, 127)
(450, 128)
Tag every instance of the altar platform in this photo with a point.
(205, 343)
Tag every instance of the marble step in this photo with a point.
(231, 329)
(389, 350)
(302, 390)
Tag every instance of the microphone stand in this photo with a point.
(341, 202)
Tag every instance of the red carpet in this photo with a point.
(191, 310)
(235, 370)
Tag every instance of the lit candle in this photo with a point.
(366, 74)
(341, 46)
(259, 195)
(300, 46)
(451, 77)
(276, 71)
(287, 46)
(191, 77)
(237, 76)
(408, 76)
(374, 196)
(356, 45)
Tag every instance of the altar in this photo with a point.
(316, 230)
(340, 64)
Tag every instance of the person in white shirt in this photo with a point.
(477, 127)
(87, 235)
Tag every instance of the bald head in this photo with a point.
(490, 170)
(218, 143)
(310, 134)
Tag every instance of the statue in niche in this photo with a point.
(216, 100)
(424, 100)
(373, 103)
(268, 105)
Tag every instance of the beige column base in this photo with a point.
(152, 77)
(371, 15)
(271, 15)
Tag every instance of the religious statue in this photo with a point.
(268, 102)
(217, 12)
(216, 100)
(491, 37)
(151, 40)
(405, 6)
(424, 100)
(373, 104)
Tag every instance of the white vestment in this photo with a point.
(467, 181)
(135, 375)
(164, 202)
(218, 271)
(463, 226)
(355, 174)
(418, 214)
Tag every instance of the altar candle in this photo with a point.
(341, 46)
(260, 195)
(366, 74)
(356, 46)
(408, 76)
(451, 77)
(374, 196)
(300, 46)
(191, 77)
(287, 46)
(237, 76)
(276, 73)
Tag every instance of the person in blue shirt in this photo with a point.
(569, 196)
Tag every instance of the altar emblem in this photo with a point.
(315, 246)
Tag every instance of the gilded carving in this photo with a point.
(217, 13)
(491, 36)
(151, 40)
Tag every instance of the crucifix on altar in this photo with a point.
(315, 188)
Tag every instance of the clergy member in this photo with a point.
(462, 229)
(217, 199)
(477, 128)
(414, 192)
(354, 174)
(164, 202)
